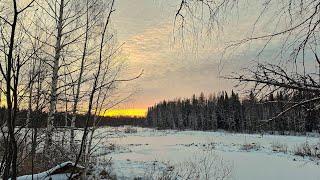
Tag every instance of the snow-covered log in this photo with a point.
(59, 172)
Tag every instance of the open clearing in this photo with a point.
(134, 153)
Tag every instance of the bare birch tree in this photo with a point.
(94, 13)
(66, 18)
(13, 60)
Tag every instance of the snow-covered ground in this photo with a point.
(135, 154)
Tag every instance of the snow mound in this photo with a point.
(59, 172)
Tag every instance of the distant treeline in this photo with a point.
(230, 113)
(39, 119)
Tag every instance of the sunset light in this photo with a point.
(160, 89)
(126, 112)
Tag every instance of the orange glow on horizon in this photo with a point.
(126, 112)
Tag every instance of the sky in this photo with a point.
(146, 27)
(169, 70)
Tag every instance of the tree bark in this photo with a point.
(54, 83)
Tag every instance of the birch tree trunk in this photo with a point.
(54, 82)
(79, 82)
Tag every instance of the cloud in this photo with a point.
(169, 71)
(179, 70)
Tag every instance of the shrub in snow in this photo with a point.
(205, 166)
(250, 146)
(102, 170)
(2, 147)
(130, 130)
(105, 174)
(306, 149)
(279, 147)
(109, 148)
(60, 152)
(112, 147)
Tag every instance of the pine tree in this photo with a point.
(229, 113)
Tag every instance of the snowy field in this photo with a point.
(246, 156)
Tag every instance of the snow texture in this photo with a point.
(150, 151)
(137, 152)
(48, 175)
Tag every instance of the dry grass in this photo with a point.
(43, 162)
(205, 166)
(130, 130)
(279, 147)
(250, 147)
(305, 149)
(103, 171)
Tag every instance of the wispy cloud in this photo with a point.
(172, 70)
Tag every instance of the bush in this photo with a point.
(306, 149)
(43, 162)
(205, 165)
(279, 147)
(249, 147)
(130, 130)
(2, 147)
(102, 170)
